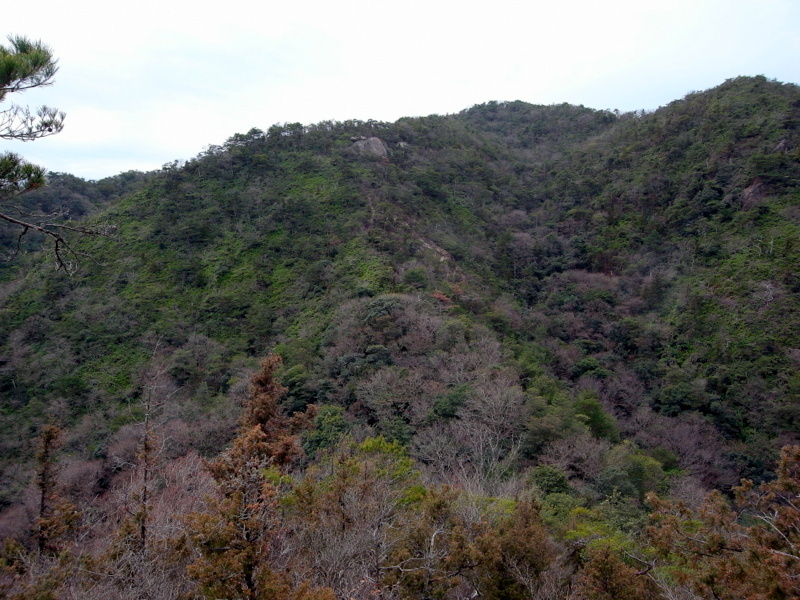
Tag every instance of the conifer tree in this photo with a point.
(25, 65)
(514, 555)
(607, 577)
(749, 549)
(234, 538)
(56, 515)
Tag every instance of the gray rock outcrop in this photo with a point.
(373, 145)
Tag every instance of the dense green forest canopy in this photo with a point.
(553, 310)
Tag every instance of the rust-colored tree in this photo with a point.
(38, 572)
(750, 549)
(516, 558)
(56, 514)
(607, 577)
(233, 540)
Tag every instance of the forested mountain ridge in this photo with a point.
(550, 301)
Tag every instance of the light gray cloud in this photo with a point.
(160, 80)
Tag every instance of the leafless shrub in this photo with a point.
(580, 456)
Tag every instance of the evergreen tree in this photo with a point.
(750, 549)
(234, 539)
(25, 65)
(56, 515)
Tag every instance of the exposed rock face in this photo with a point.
(753, 195)
(373, 145)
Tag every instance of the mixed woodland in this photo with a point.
(518, 352)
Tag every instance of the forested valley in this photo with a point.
(518, 352)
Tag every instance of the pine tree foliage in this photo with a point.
(748, 549)
(234, 539)
(25, 65)
(56, 514)
(607, 577)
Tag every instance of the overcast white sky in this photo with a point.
(147, 82)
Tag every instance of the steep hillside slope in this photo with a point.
(65, 198)
(509, 286)
(687, 219)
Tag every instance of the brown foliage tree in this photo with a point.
(56, 514)
(233, 539)
(515, 556)
(606, 577)
(749, 550)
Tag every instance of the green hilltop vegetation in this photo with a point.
(517, 318)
